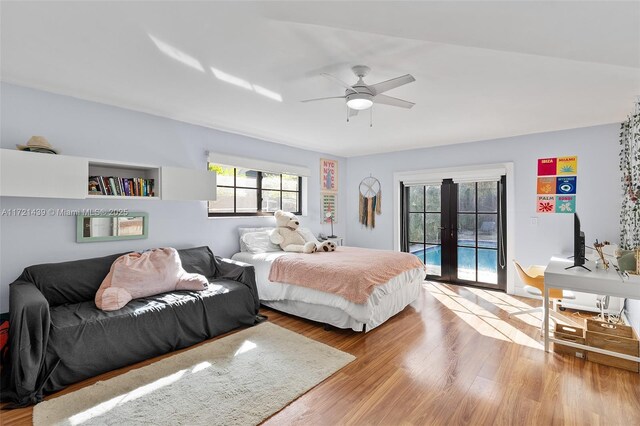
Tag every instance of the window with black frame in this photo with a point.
(245, 192)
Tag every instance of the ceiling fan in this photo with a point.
(361, 96)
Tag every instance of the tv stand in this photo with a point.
(578, 266)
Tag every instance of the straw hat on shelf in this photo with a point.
(38, 144)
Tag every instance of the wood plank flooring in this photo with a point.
(457, 360)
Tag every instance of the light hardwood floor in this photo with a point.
(459, 360)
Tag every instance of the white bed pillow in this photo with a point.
(242, 231)
(259, 242)
(307, 234)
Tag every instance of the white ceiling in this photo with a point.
(483, 69)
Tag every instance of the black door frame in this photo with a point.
(449, 234)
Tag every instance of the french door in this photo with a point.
(457, 230)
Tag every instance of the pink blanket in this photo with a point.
(349, 272)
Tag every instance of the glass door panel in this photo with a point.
(488, 266)
(425, 227)
(416, 228)
(433, 223)
(467, 263)
(478, 232)
(457, 229)
(433, 260)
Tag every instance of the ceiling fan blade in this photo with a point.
(322, 99)
(391, 84)
(353, 112)
(388, 100)
(337, 80)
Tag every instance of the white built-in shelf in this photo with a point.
(119, 197)
(31, 174)
(126, 171)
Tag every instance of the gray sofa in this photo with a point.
(58, 336)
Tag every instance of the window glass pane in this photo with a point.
(467, 197)
(488, 230)
(224, 174)
(270, 201)
(433, 257)
(290, 182)
(416, 198)
(246, 200)
(224, 201)
(433, 198)
(245, 182)
(433, 228)
(247, 178)
(290, 201)
(467, 263)
(270, 181)
(416, 227)
(488, 266)
(487, 196)
(467, 230)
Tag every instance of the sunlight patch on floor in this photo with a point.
(533, 319)
(483, 321)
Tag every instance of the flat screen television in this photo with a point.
(578, 244)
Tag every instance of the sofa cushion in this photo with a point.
(69, 282)
(138, 275)
(198, 260)
(88, 341)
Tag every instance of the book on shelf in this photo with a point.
(118, 186)
(94, 186)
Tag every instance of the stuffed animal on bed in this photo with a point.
(289, 238)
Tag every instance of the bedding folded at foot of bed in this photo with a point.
(360, 269)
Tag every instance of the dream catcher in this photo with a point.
(370, 201)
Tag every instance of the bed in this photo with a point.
(386, 299)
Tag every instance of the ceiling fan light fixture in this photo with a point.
(359, 101)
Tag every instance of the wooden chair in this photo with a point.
(533, 278)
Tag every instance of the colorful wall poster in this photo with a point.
(328, 175)
(556, 184)
(546, 204)
(329, 203)
(567, 165)
(546, 185)
(565, 203)
(566, 184)
(547, 167)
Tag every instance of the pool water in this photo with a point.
(487, 263)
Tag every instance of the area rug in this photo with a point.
(240, 379)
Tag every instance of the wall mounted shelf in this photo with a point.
(30, 174)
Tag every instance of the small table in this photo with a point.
(336, 240)
(596, 281)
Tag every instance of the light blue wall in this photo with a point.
(89, 129)
(598, 198)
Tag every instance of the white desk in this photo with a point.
(598, 281)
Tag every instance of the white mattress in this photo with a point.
(405, 286)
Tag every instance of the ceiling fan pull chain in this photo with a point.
(347, 114)
(371, 117)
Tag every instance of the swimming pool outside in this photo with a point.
(487, 263)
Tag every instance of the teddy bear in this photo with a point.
(289, 238)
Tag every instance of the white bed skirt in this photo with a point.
(390, 305)
(386, 300)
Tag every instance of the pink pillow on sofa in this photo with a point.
(137, 275)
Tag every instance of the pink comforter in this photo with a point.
(350, 272)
